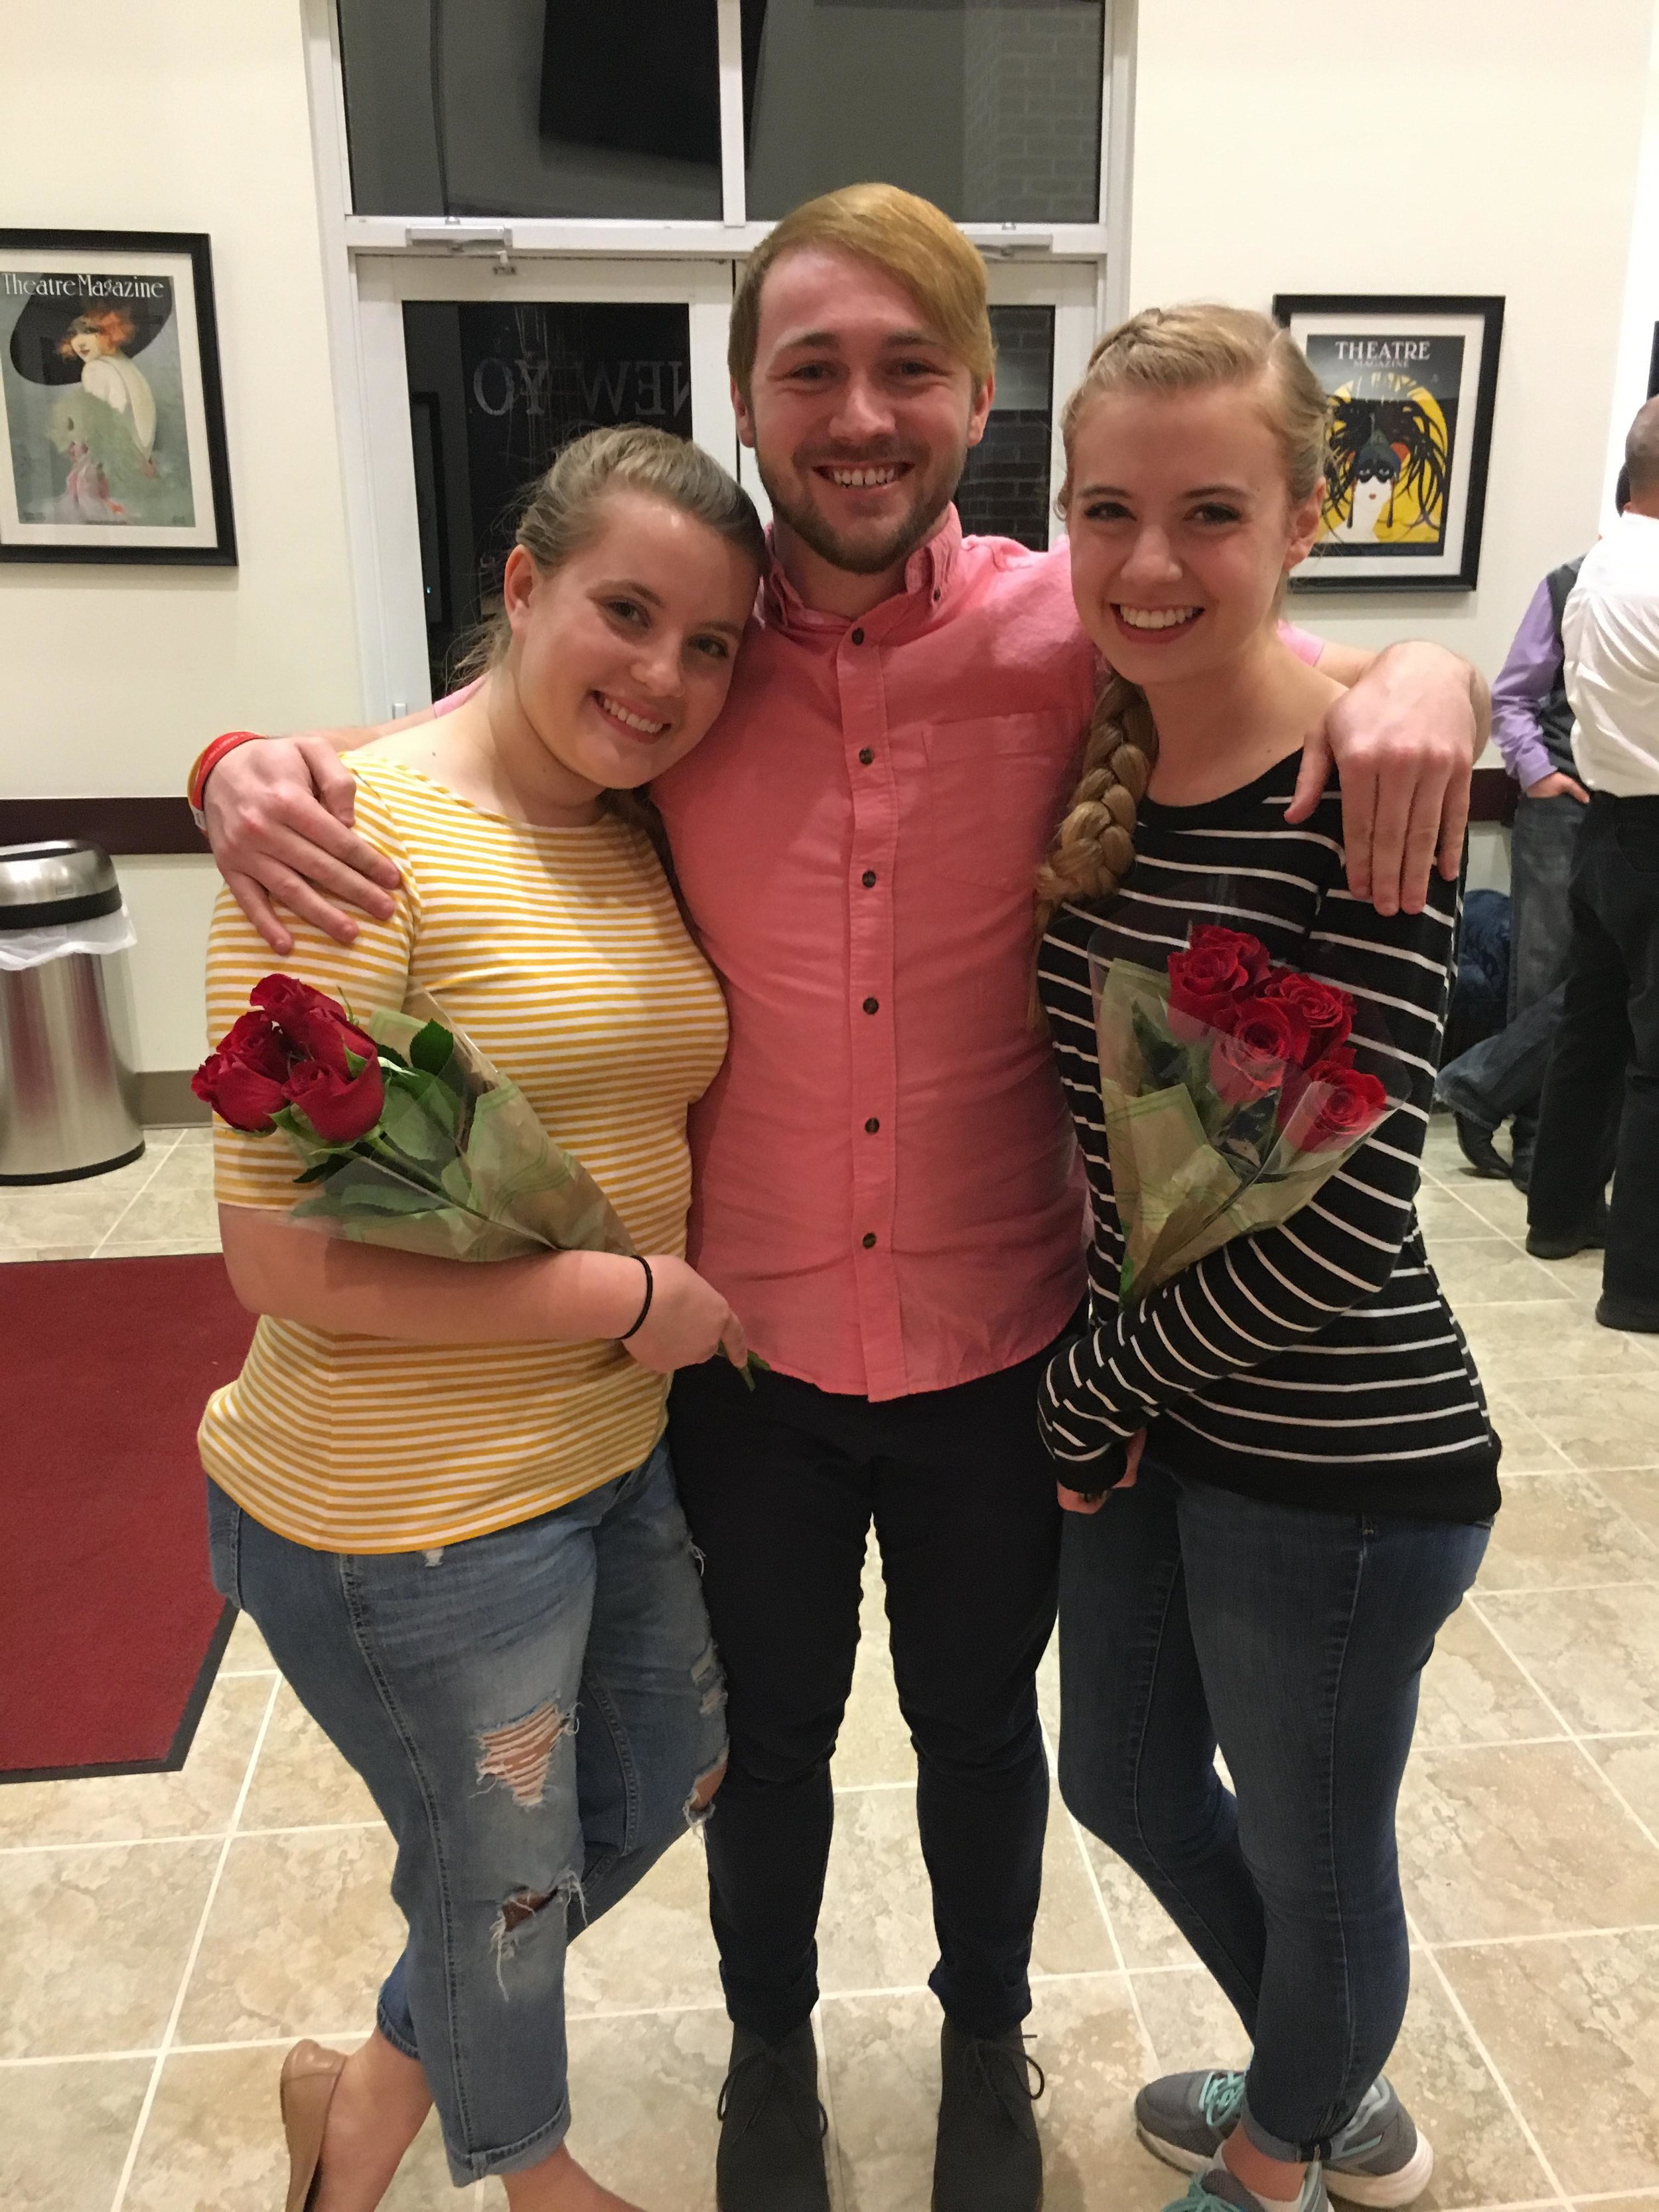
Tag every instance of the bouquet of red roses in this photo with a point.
(405, 1135)
(1232, 1090)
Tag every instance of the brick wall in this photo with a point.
(1032, 111)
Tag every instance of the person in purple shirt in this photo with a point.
(1502, 1078)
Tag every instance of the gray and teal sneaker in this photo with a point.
(1217, 2190)
(1379, 2159)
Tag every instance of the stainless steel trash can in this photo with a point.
(67, 1094)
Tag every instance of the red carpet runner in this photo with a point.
(110, 1629)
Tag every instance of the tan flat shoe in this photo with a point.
(309, 2078)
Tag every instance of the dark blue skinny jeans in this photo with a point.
(1190, 1617)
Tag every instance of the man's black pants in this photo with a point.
(779, 1487)
(1607, 1051)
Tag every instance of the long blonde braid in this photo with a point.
(1165, 350)
(1093, 849)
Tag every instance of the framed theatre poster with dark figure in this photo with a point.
(111, 420)
(1411, 385)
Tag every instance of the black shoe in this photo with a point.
(1592, 1239)
(772, 2127)
(1477, 1147)
(1640, 1315)
(988, 2158)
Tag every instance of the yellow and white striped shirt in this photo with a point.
(562, 954)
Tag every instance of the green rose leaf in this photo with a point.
(431, 1048)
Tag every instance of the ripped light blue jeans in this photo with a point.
(534, 1712)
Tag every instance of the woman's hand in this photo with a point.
(279, 821)
(1072, 1501)
(689, 1321)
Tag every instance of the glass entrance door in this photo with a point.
(476, 375)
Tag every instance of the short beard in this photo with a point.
(810, 526)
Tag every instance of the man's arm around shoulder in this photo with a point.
(278, 817)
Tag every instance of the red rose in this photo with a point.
(1327, 1012)
(1338, 1105)
(340, 1107)
(257, 1042)
(238, 1093)
(1241, 1076)
(1218, 968)
(1250, 952)
(1270, 1026)
(316, 1026)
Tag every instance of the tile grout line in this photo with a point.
(1492, 2068)
(1559, 1589)
(200, 1836)
(1148, 2047)
(1579, 1744)
(1533, 1936)
(161, 1160)
(144, 2111)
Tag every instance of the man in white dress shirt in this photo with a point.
(1607, 1047)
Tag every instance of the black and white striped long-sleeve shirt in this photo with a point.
(1317, 1364)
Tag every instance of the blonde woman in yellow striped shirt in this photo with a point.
(441, 1490)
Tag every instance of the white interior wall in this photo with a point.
(182, 115)
(1491, 146)
(1277, 149)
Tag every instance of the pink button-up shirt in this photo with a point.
(885, 1181)
(885, 1185)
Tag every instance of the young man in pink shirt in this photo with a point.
(885, 1184)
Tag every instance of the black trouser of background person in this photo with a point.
(779, 1487)
(1606, 1059)
(1503, 1075)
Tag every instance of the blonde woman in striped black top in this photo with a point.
(441, 1491)
(1279, 1466)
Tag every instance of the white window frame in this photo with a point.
(1079, 269)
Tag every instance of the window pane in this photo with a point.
(495, 389)
(533, 107)
(990, 107)
(1005, 490)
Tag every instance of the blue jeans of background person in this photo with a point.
(453, 1680)
(1503, 1075)
(1190, 1617)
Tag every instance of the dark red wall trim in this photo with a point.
(1492, 796)
(164, 825)
(119, 825)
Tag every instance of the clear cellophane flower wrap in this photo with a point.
(1232, 1089)
(459, 1165)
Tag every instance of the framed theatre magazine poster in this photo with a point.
(111, 420)
(1411, 384)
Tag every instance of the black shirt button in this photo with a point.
(871, 1126)
(869, 1240)
(858, 637)
(869, 879)
(865, 755)
(873, 1006)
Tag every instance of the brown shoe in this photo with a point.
(309, 2078)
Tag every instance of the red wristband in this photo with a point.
(209, 757)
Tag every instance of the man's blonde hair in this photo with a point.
(909, 240)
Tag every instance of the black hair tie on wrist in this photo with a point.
(650, 1292)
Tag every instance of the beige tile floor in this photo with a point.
(162, 1939)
